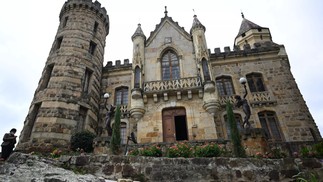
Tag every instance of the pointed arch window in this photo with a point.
(170, 66)
(255, 82)
(269, 123)
(206, 72)
(225, 86)
(137, 77)
(121, 96)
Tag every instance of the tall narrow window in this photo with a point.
(225, 86)
(59, 41)
(86, 80)
(238, 120)
(46, 77)
(92, 47)
(137, 77)
(170, 66)
(95, 28)
(31, 122)
(121, 96)
(123, 132)
(269, 123)
(206, 72)
(82, 119)
(255, 82)
(65, 21)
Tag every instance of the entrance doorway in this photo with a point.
(174, 125)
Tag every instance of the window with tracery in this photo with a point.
(121, 96)
(255, 82)
(170, 66)
(269, 123)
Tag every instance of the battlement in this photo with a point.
(86, 4)
(118, 64)
(257, 47)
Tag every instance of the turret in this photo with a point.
(251, 33)
(202, 60)
(68, 94)
(137, 104)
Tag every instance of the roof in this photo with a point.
(247, 25)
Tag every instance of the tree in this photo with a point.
(116, 136)
(238, 150)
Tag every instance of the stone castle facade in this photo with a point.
(174, 88)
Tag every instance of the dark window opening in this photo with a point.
(180, 128)
(87, 80)
(243, 34)
(96, 25)
(30, 124)
(46, 77)
(225, 86)
(82, 119)
(259, 30)
(123, 132)
(92, 47)
(65, 21)
(206, 72)
(261, 37)
(137, 77)
(313, 135)
(255, 82)
(59, 41)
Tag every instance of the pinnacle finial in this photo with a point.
(166, 11)
(242, 14)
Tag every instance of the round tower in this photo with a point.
(68, 94)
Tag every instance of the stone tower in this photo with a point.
(68, 95)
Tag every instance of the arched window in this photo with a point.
(238, 120)
(137, 77)
(225, 86)
(205, 69)
(121, 96)
(269, 123)
(170, 66)
(255, 82)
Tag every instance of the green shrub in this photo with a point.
(207, 150)
(152, 151)
(116, 136)
(82, 140)
(180, 150)
(318, 148)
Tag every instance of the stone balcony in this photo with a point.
(255, 99)
(177, 87)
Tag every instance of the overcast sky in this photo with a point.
(28, 28)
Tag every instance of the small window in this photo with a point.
(82, 119)
(206, 72)
(65, 21)
(121, 96)
(259, 29)
(243, 35)
(86, 80)
(46, 77)
(269, 123)
(137, 77)
(225, 86)
(59, 41)
(255, 82)
(92, 47)
(123, 133)
(96, 25)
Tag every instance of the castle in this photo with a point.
(174, 88)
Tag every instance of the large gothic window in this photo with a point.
(137, 77)
(170, 66)
(269, 123)
(206, 72)
(121, 96)
(225, 86)
(255, 82)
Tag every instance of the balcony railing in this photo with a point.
(171, 85)
(254, 99)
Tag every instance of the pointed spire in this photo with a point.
(138, 32)
(165, 11)
(247, 25)
(197, 23)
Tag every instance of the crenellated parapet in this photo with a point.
(95, 7)
(118, 64)
(247, 49)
